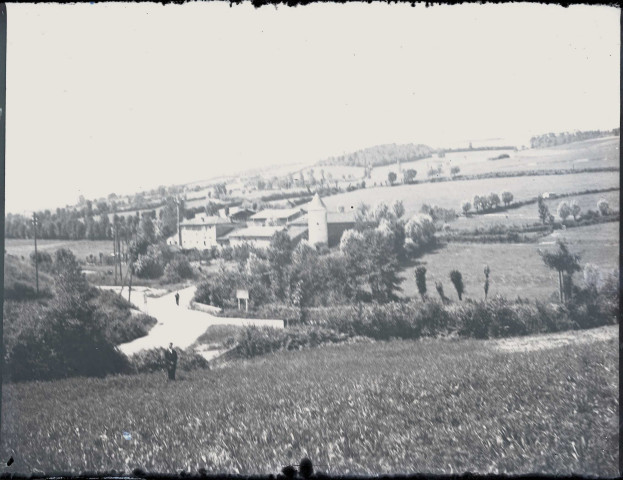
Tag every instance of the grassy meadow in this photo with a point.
(80, 248)
(528, 214)
(516, 268)
(597, 244)
(596, 153)
(442, 406)
(451, 194)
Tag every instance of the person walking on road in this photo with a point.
(177, 298)
(170, 357)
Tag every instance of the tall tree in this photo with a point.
(457, 280)
(420, 281)
(543, 209)
(565, 263)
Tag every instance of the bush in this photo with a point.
(74, 333)
(21, 292)
(219, 290)
(256, 341)
(474, 320)
(177, 270)
(148, 266)
(498, 318)
(603, 206)
(420, 280)
(457, 280)
(59, 346)
(44, 260)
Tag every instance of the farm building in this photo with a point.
(275, 216)
(235, 213)
(325, 227)
(259, 235)
(311, 221)
(202, 232)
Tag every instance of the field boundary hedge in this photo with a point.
(414, 319)
(533, 200)
(517, 234)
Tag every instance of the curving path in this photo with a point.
(180, 324)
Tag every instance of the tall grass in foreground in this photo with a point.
(427, 406)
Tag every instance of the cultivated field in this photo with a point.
(442, 406)
(450, 194)
(529, 214)
(516, 268)
(80, 248)
(597, 153)
(597, 244)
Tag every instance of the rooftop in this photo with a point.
(316, 203)
(275, 213)
(205, 220)
(258, 232)
(332, 217)
(254, 232)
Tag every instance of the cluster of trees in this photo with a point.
(563, 261)
(487, 202)
(150, 257)
(408, 176)
(553, 139)
(83, 224)
(364, 269)
(439, 214)
(435, 171)
(73, 332)
(302, 179)
(565, 210)
(456, 278)
(381, 155)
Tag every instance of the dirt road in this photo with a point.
(179, 324)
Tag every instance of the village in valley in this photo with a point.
(441, 298)
(229, 272)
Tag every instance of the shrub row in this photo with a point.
(415, 319)
(521, 234)
(534, 200)
(468, 237)
(256, 341)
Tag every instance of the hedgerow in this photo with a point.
(497, 318)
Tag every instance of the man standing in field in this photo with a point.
(177, 299)
(170, 357)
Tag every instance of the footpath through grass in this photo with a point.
(428, 406)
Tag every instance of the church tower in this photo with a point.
(317, 221)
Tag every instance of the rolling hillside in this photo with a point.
(381, 155)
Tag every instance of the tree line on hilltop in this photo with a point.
(88, 223)
(553, 139)
(381, 155)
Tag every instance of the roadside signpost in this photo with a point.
(243, 295)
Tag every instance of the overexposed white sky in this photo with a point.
(124, 97)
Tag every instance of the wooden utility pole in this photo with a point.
(179, 230)
(130, 286)
(34, 224)
(114, 249)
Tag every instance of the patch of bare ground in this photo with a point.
(555, 340)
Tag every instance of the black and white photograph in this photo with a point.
(324, 239)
